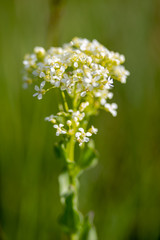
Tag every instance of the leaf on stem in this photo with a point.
(71, 217)
(60, 152)
(88, 230)
(64, 185)
(89, 158)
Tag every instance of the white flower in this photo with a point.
(75, 65)
(82, 137)
(51, 118)
(93, 130)
(110, 95)
(84, 70)
(60, 129)
(40, 90)
(83, 106)
(39, 50)
(69, 123)
(83, 94)
(29, 61)
(121, 73)
(112, 108)
(78, 116)
(103, 101)
(109, 83)
(25, 85)
(42, 75)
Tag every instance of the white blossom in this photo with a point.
(93, 130)
(60, 129)
(83, 106)
(39, 50)
(69, 123)
(85, 71)
(82, 137)
(40, 91)
(112, 108)
(51, 118)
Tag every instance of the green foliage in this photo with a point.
(59, 150)
(88, 229)
(72, 220)
(71, 217)
(88, 158)
(64, 185)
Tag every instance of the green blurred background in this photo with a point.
(124, 189)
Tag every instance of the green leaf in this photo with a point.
(71, 217)
(92, 235)
(59, 150)
(89, 158)
(64, 185)
(88, 230)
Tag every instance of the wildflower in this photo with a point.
(40, 91)
(82, 137)
(112, 108)
(51, 119)
(60, 129)
(78, 116)
(109, 83)
(83, 106)
(85, 71)
(83, 94)
(93, 130)
(40, 51)
(69, 123)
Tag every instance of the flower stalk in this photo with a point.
(84, 72)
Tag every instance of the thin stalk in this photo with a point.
(65, 102)
(73, 176)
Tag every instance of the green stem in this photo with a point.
(73, 178)
(71, 149)
(72, 169)
(65, 102)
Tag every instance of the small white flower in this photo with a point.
(51, 118)
(109, 83)
(35, 73)
(83, 94)
(60, 129)
(39, 50)
(78, 116)
(82, 137)
(57, 84)
(25, 85)
(52, 70)
(69, 123)
(87, 80)
(103, 101)
(93, 130)
(75, 64)
(42, 75)
(112, 108)
(62, 69)
(110, 95)
(40, 90)
(83, 106)
(83, 69)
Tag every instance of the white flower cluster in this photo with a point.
(83, 70)
(72, 120)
